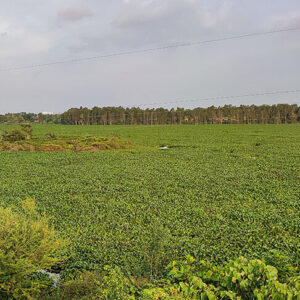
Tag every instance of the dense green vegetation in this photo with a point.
(228, 114)
(218, 192)
(187, 279)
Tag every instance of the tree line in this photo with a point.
(228, 114)
(23, 117)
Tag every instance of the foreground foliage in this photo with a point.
(27, 245)
(239, 279)
(187, 279)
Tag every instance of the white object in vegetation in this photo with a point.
(54, 276)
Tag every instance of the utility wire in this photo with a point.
(130, 52)
(222, 97)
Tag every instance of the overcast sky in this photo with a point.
(36, 32)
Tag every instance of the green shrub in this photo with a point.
(239, 279)
(155, 248)
(27, 245)
(13, 136)
(108, 283)
(283, 263)
(51, 136)
(27, 129)
(187, 279)
(18, 135)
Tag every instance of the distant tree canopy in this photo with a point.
(228, 114)
(23, 117)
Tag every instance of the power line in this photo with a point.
(130, 52)
(223, 97)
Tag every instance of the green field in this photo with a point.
(218, 192)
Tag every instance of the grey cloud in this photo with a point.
(174, 17)
(143, 24)
(73, 13)
(289, 20)
(176, 11)
(139, 16)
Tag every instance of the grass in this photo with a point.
(218, 192)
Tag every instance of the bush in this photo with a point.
(108, 283)
(283, 263)
(51, 136)
(239, 279)
(187, 279)
(27, 129)
(27, 245)
(16, 135)
(13, 136)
